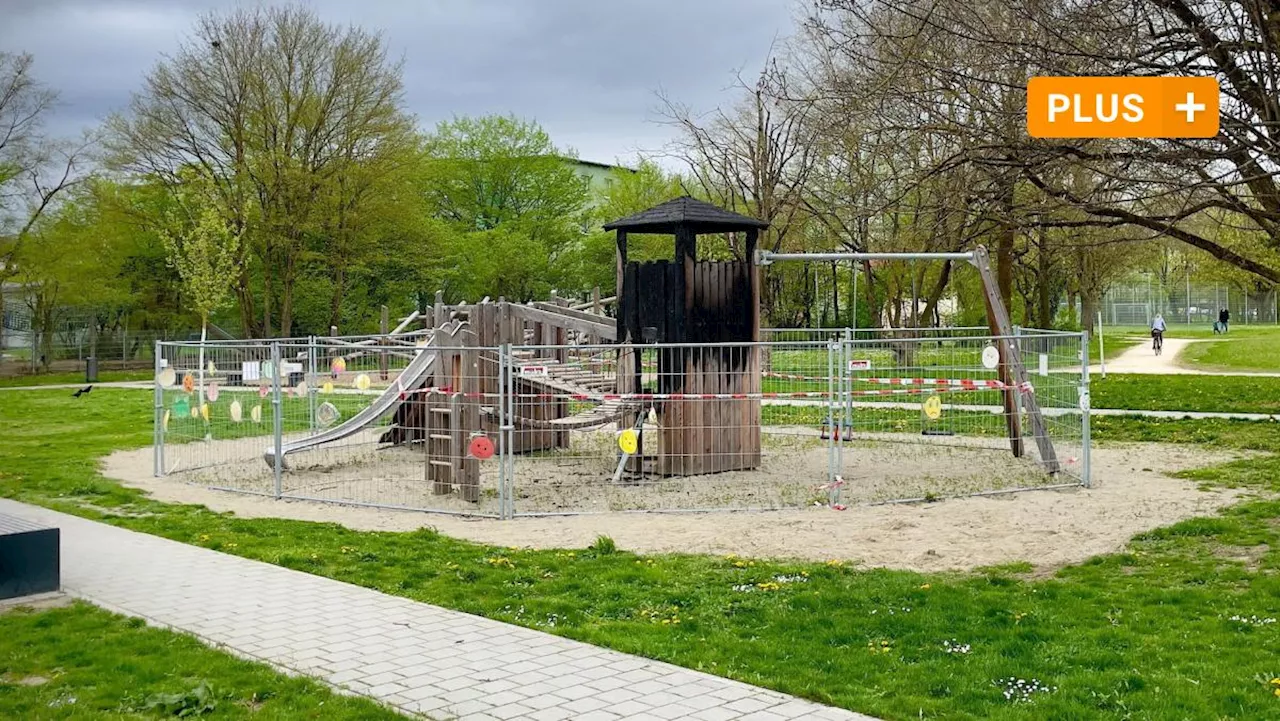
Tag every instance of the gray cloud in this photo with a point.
(586, 70)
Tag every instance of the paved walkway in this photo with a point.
(1142, 360)
(413, 656)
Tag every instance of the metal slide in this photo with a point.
(422, 366)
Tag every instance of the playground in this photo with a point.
(668, 396)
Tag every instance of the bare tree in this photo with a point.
(34, 171)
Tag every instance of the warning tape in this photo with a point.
(599, 397)
(928, 382)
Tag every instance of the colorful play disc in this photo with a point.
(362, 382)
(204, 411)
(326, 414)
(327, 388)
(211, 368)
(933, 407)
(211, 392)
(195, 411)
(181, 407)
(166, 377)
(263, 390)
(164, 422)
(338, 365)
(628, 441)
(480, 447)
(990, 357)
(255, 413)
(188, 382)
(302, 388)
(237, 413)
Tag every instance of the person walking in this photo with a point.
(1157, 334)
(1224, 318)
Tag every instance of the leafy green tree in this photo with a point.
(298, 124)
(205, 250)
(497, 179)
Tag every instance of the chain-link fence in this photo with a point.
(1183, 301)
(433, 421)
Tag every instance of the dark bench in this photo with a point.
(29, 558)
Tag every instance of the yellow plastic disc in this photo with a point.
(204, 411)
(933, 408)
(362, 382)
(237, 413)
(327, 388)
(628, 441)
(165, 421)
(255, 414)
(195, 411)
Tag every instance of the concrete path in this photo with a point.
(417, 658)
(1141, 359)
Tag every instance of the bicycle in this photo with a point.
(1157, 341)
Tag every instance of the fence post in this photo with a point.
(508, 430)
(503, 350)
(312, 379)
(277, 417)
(833, 429)
(1084, 405)
(158, 431)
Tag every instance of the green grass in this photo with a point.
(80, 662)
(1142, 633)
(71, 378)
(1217, 394)
(1257, 353)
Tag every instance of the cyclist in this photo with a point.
(1157, 334)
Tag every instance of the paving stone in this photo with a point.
(401, 652)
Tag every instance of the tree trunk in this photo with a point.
(1005, 241)
(1088, 309)
(935, 295)
(835, 293)
(339, 289)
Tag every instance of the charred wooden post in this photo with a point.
(715, 308)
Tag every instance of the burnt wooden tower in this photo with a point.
(696, 302)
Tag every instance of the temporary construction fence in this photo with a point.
(433, 421)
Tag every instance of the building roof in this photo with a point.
(688, 212)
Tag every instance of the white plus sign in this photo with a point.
(1190, 107)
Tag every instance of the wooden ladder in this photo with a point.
(448, 463)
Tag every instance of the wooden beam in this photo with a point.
(596, 324)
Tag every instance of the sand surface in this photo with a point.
(1131, 494)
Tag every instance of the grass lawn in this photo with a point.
(80, 662)
(1218, 394)
(1256, 352)
(1144, 633)
(66, 378)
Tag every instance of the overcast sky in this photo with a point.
(587, 70)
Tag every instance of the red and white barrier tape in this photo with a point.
(598, 397)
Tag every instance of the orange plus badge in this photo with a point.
(1102, 107)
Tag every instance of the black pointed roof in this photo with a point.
(688, 212)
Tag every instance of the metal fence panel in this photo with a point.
(435, 422)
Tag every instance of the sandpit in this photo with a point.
(1132, 493)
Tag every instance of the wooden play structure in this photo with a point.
(594, 371)
(703, 303)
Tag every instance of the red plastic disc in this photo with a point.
(481, 447)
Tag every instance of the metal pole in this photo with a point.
(1102, 354)
(510, 433)
(1085, 440)
(832, 420)
(158, 435)
(764, 257)
(277, 417)
(312, 379)
(854, 322)
(1188, 296)
(502, 430)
